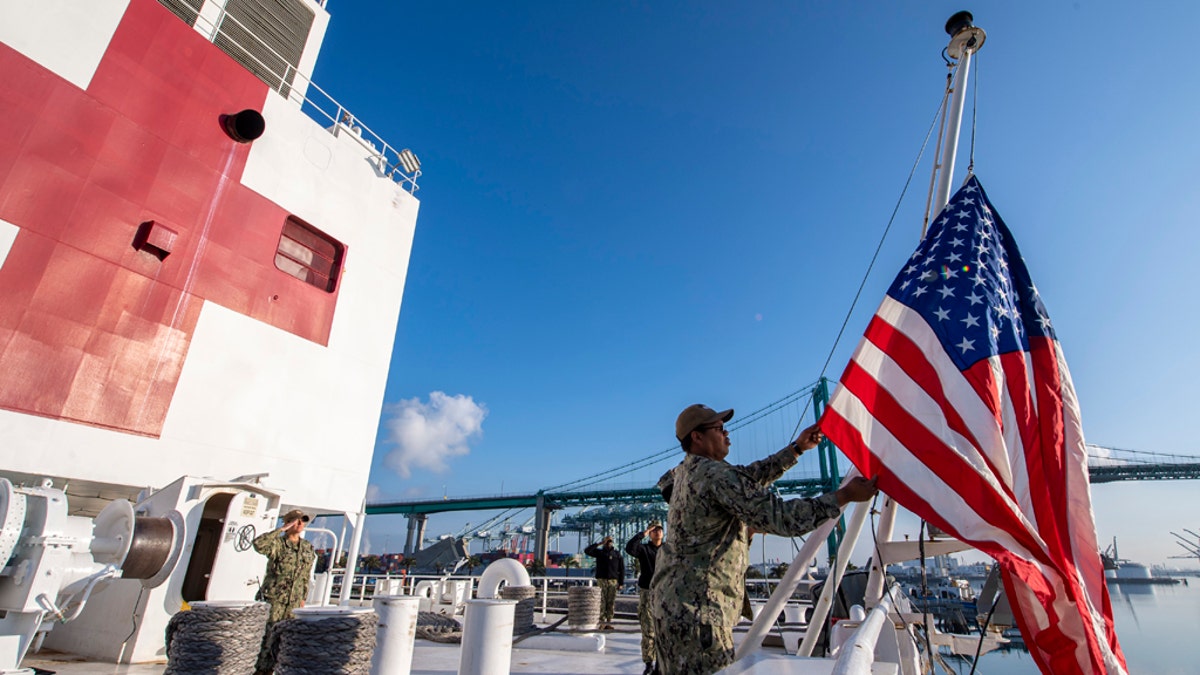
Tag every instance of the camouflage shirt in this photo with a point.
(285, 585)
(701, 571)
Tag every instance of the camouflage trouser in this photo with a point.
(647, 622)
(608, 599)
(280, 611)
(265, 663)
(686, 647)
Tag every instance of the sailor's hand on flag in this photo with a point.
(807, 440)
(859, 489)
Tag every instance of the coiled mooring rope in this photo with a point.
(207, 640)
(583, 607)
(338, 644)
(437, 628)
(523, 612)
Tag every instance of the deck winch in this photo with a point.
(53, 562)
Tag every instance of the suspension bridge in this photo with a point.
(764, 431)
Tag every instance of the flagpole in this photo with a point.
(965, 40)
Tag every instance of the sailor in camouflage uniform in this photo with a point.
(646, 555)
(700, 580)
(285, 586)
(610, 576)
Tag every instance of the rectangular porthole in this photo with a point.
(309, 254)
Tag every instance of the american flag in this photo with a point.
(959, 399)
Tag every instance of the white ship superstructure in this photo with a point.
(203, 264)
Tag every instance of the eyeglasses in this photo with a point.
(718, 427)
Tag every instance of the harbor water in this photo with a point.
(1158, 627)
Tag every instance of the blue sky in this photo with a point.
(628, 207)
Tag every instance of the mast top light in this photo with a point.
(964, 35)
(959, 21)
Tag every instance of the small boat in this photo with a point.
(1118, 570)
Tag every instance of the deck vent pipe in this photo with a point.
(487, 637)
(245, 126)
(394, 634)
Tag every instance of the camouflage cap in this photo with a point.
(696, 415)
(295, 514)
(655, 524)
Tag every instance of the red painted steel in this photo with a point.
(93, 330)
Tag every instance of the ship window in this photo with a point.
(309, 254)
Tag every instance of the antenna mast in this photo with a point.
(965, 40)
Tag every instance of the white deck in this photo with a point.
(621, 655)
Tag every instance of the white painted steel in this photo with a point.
(360, 524)
(395, 634)
(212, 14)
(879, 560)
(320, 613)
(8, 235)
(503, 570)
(561, 642)
(233, 576)
(857, 656)
(766, 618)
(315, 442)
(821, 609)
(954, 109)
(487, 637)
(66, 36)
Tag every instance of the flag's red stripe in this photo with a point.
(849, 440)
(913, 361)
(1048, 382)
(1047, 425)
(1016, 386)
(942, 460)
(1015, 587)
(1042, 434)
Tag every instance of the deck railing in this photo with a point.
(363, 586)
(401, 165)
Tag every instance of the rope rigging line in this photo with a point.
(672, 451)
(661, 455)
(875, 257)
(974, 111)
(937, 151)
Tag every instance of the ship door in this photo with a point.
(204, 548)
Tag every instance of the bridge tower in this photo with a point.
(831, 478)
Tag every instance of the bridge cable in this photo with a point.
(875, 257)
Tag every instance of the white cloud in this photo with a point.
(427, 435)
(373, 493)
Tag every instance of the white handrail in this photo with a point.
(857, 656)
(821, 609)
(388, 156)
(783, 592)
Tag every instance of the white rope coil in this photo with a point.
(208, 640)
